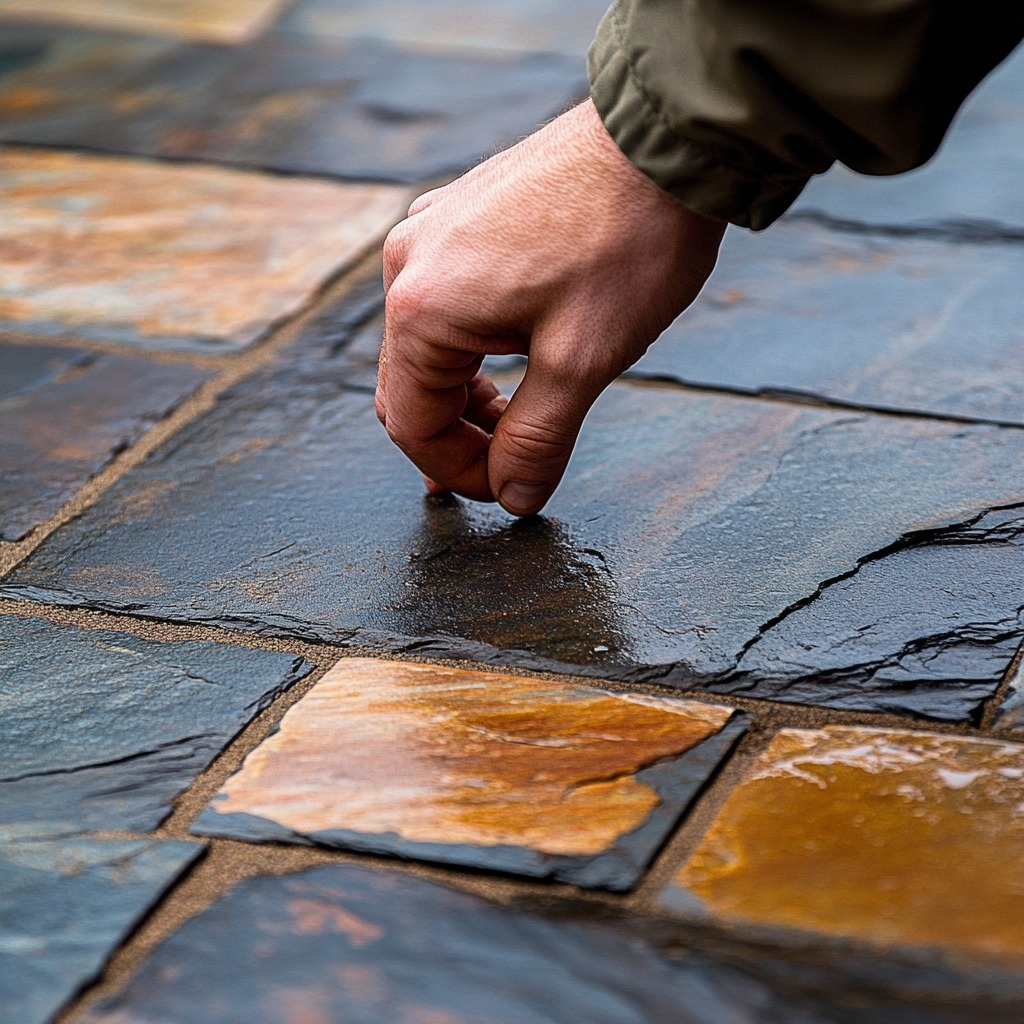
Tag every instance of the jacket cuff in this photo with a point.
(700, 178)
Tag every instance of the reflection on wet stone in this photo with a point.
(899, 838)
(553, 596)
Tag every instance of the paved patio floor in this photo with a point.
(733, 734)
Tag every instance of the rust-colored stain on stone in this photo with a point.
(887, 836)
(217, 21)
(446, 755)
(169, 254)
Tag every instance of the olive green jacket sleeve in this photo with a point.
(731, 105)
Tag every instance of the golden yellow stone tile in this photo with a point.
(887, 836)
(218, 21)
(454, 756)
(160, 253)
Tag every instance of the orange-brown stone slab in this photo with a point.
(891, 837)
(471, 767)
(170, 255)
(219, 21)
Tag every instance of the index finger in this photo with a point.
(423, 395)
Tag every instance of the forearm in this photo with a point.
(731, 105)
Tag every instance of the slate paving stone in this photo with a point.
(222, 21)
(287, 102)
(971, 188)
(171, 256)
(474, 768)
(102, 730)
(941, 608)
(903, 324)
(890, 837)
(340, 943)
(65, 413)
(66, 906)
(538, 26)
(687, 527)
(1010, 715)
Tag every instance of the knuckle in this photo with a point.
(409, 301)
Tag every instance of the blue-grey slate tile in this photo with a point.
(65, 413)
(526, 26)
(287, 102)
(340, 943)
(66, 906)
(687, 524)
(891, 323)
(971, 187)
(102, 730)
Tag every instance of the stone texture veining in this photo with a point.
(886, 836)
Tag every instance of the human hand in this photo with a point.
(557, 248)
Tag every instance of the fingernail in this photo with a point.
(522, 499)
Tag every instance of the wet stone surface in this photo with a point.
(287, 102)
(102, 730)
(342, 943)
(971, 188)
(65, 413)
(474, 768)
(537, 26)
(686, 528)
(221, 21)
(892, 323)
(877, 835)
(66, 906)
(171, 256)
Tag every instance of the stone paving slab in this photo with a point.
(221, 21)
(687, 528)
(890, 323)
(339, 943)
(490, 771)
(102, 730)
(160, 255)
(527, 26)
(971, 188)
(287, 102)
(891, 837)
(65, 907)
(65, 413)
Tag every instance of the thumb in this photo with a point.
(535, 436)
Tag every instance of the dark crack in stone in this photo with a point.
(898, 324)
(971, 189)
(102, 730)
(939, 607)
(66, 906)
(65, 413)
(287, 102)
(340, 943)
(685, 526)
